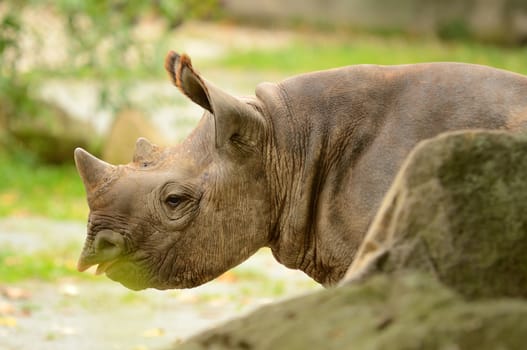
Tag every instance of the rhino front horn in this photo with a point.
(92, 170)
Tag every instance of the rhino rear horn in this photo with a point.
(92, 170)
(231, 115)
(144, 150)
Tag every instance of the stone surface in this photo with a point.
(411, 311)
(128, 126)
(458, 210)
(49, 132)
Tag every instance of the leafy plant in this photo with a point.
(101, 42)
(10, 91)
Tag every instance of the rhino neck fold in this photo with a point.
(311, 159)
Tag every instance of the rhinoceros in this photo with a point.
(300, 168)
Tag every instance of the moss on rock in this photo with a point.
(457, 209)
(407, 311)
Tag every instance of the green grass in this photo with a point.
(40, 265)
(307, 55)
(248, 274)
(132, 297)
(28, 188)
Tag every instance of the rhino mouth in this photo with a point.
(105, 267)
(122, 271)
(127, 273)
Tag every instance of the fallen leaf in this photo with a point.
(6, 308)
(8, 322)
(25, 311)
(227, 277)
(15, 293)
(9, 198)
(154, 332)
(20, 213)
(71, 264)
(219, 301)
(12, 261)
(188, 297)
(51, 336)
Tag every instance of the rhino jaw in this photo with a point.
(92, 170)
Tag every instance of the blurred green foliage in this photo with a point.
(28, 187)
(100, 42)
(41, 265)
(456, 29)
(13, 92)
(311, 53)
(101, 32)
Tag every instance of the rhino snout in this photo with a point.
(104, 250)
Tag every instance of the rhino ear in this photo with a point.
(179, 68)
(92, 170)
(144, 151)
(233, 118)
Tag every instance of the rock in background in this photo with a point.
(128, 126)
(452, 230)
(46, 130)
(498, 21)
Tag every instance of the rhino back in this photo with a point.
(346, 131)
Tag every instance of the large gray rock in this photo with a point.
(45, 130)
(458, 210)
(409, 311)
(452, 228)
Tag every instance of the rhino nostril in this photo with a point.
(108, 245)
(103, 244)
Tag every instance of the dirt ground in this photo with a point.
(96, 313)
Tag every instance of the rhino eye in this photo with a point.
(173, 200)
(180, 203)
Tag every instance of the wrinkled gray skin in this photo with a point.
(300, 168)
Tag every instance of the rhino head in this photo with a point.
(176, 217)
